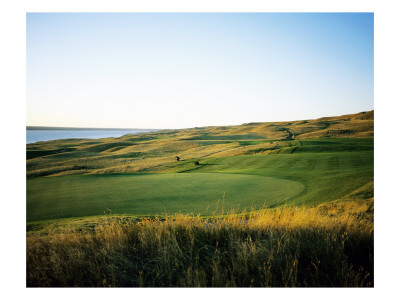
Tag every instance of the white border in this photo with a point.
(13, 95)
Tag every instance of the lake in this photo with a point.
(33, 136)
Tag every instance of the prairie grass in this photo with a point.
(155, 151)
(329, 245)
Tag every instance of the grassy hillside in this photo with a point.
(155, 152)
(259, 204)
(307, 177)
(289, 169)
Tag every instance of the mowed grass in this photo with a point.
(141, 195)
(326, 176)
(239, 182)
(155, 152)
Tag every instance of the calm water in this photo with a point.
(33, 136)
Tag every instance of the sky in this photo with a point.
(181, 70)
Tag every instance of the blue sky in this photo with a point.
(179, 70)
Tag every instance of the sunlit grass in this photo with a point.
(326, 245)
(153, 152)
(309, 241)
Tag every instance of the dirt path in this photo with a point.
(290, 134)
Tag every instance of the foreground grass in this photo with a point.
(330, 245)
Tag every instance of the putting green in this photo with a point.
(79, 196)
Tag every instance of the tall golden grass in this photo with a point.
(329, 245)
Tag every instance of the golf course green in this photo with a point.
(240, 167)
(76, 196)
(239, 182)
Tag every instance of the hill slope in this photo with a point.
(301, 195)
(156, 151)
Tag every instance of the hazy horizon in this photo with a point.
(184, 70)
(127, 128)
(34, 127)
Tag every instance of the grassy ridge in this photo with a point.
(150, 152)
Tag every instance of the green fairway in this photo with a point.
(247, 181)
(78, 196)
(243, 166)
(325, 176)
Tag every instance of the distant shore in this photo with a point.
(86, 128)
